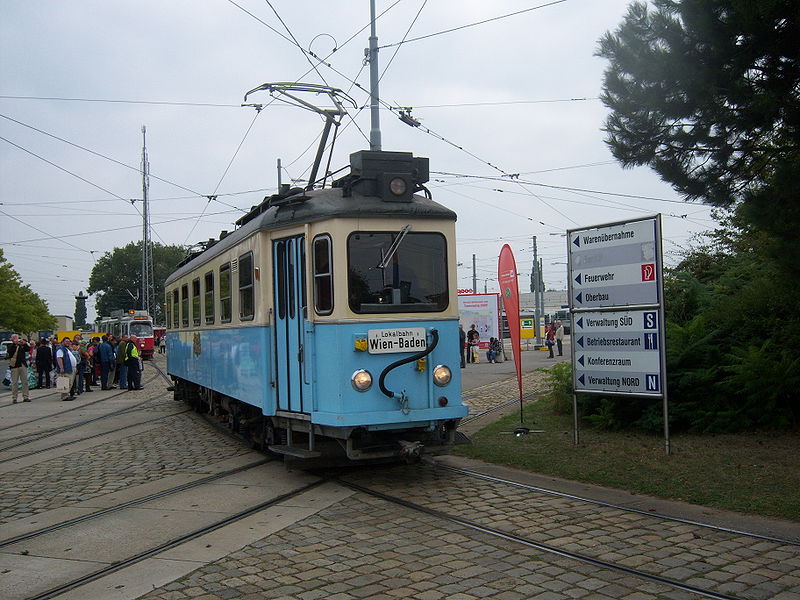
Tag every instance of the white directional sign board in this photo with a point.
(614, 265)
(618, 351)
(615, 298)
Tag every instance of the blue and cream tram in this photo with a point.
(326, 323)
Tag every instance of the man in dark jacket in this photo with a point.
(132, 362)
(44, 363)
(106, 355)
(18, 363)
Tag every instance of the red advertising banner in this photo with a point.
(509, 290)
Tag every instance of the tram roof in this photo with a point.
(318, 205)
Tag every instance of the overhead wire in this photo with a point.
(452, 29)
(60, 168)
(115, 101)
(503, 103)
(96, 231)
(115, 161)
(230, 162)
(49, 237)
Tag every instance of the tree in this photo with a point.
(707, 93)
(21, 309)
(117, 276)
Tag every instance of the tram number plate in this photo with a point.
(385, 341)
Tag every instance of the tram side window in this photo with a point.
(168, 308)
(323, 276)
(196, 301)
(246, 287)
(175, 309)
(225, 293)
(389, 272)
(185, 305)
(209, 297)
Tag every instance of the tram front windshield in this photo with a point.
(385, 276)
(141, 329)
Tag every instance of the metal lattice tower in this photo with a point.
(148, 297)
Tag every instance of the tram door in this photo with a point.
(290, 305)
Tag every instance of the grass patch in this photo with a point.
(750, 473)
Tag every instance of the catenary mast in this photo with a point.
(148, 298)
(372, 51)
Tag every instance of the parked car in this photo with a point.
(4, 348)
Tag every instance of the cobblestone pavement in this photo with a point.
(176, 444)
(367, 548)
(492, 395)
(723, 562)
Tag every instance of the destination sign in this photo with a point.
(618, 351)
(386, 341)
(614, 265)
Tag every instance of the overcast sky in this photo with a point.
(514, 95)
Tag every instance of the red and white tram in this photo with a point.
(131, 322)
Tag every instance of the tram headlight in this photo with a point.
(442, 375)
(361, 380)
(398, 186)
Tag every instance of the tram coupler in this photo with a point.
(411, 451)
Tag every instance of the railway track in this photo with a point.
(629, 509)
(547, 548)
(95, 435)
(129, 504)
(171, 543)
(688, 555)
(29, 438)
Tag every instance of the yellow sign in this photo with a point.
(526, 329)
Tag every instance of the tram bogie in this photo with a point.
(326, 324)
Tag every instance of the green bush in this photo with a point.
(560, 379)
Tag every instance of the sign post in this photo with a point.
(616, 296)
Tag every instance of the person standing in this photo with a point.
(560, 337)
(132, 362)
(122, 367)
(105, 354)
(462, 344)
(85, 372)
(550, 339)
(473, 340)
(18, 357)
(44, 363)
(66, 365)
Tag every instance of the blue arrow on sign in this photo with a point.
(580, 359)
(578, 279)
(579, 297)
(581, 379)
(579, 322)
(577, 241)
(580, 341)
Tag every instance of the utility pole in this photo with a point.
(148, 298)
(372, 56)
(536, 278)
(279, 175)
(474, 277)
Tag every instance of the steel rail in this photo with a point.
(138, 501)
(91, 437)
(538, 545)
(114, 395)
(533, 488)
(40, 435)
(52, 593)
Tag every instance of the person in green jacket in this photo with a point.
(132, 362)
